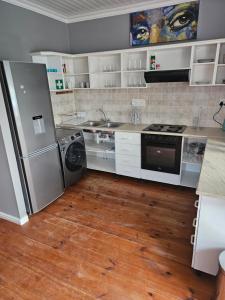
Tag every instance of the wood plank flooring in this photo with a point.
(107, 237)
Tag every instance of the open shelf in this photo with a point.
(207, 51)
(189, 158)
(126, 68)
(106, 72)
(204, 64)
(133, 79)
(158, 70)
(134, 61)
(105, 63)
(220, 75)
(134, 71)
(189, 178)
(58, 91)
(202, 74)
(79, 74)
(80, 65)
(105, 80)
(222, 54)
(100, 163)
(170, 59)
(101, 147)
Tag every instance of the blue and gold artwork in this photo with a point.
(165, 24)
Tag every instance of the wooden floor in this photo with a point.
(108, 237)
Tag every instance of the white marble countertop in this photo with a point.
(212, 176)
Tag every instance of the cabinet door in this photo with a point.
(210, 239)
(128, 138)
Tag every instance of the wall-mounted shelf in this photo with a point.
(125, 68)
(204, 64)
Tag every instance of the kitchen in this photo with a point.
(135, 202)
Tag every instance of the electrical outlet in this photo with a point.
(138, 102)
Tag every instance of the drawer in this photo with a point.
(128, 149)
(128, 138)
(128, 160)
(128, 171)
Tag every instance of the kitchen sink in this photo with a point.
(110, 125)
(101, 124)
(92, 123)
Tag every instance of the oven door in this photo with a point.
(161, 153)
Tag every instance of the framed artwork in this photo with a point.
(165, 24)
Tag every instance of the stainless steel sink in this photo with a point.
(110, 125)
(92, 123)
(101, 124)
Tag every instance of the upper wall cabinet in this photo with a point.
(203, 64)
(169, 59)
(54, 69)
(134, 64)
(105, 70)
(76, 72)
(125, 68)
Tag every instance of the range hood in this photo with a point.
(167, 76)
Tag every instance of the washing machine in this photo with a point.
(73, 155)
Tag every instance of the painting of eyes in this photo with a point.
(165, 24)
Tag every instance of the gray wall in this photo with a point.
(8, 203)
(113, 32)
(22, 32)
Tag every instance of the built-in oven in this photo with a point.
(161, 153)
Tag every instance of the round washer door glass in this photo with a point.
(75, 156)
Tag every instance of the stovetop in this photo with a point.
(166, 128)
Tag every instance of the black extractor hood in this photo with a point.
(167, 76)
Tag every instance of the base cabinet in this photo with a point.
(209, 239)
(128, 154)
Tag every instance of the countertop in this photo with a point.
(212, 176)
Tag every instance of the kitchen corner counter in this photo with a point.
(207, 132)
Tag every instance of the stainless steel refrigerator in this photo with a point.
(29, 111)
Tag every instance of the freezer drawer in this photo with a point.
(44, 178)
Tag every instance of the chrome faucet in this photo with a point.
(104, 114)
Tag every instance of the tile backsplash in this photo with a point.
(172, 103)
(62, 104)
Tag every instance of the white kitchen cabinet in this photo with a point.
(126, 68)
(191, 161)
(128, 154)
(209, 239)
(127, 149)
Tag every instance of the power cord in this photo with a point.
(216, 113)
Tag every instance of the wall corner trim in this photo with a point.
(19, 221)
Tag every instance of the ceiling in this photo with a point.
(70, 11)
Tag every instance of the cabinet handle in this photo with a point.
(194, 222)
(192, 239)
(196, 204)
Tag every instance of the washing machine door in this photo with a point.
(75, 156)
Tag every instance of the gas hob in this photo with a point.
(166, 128)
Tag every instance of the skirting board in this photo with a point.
(13, 219)
(160, 177)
